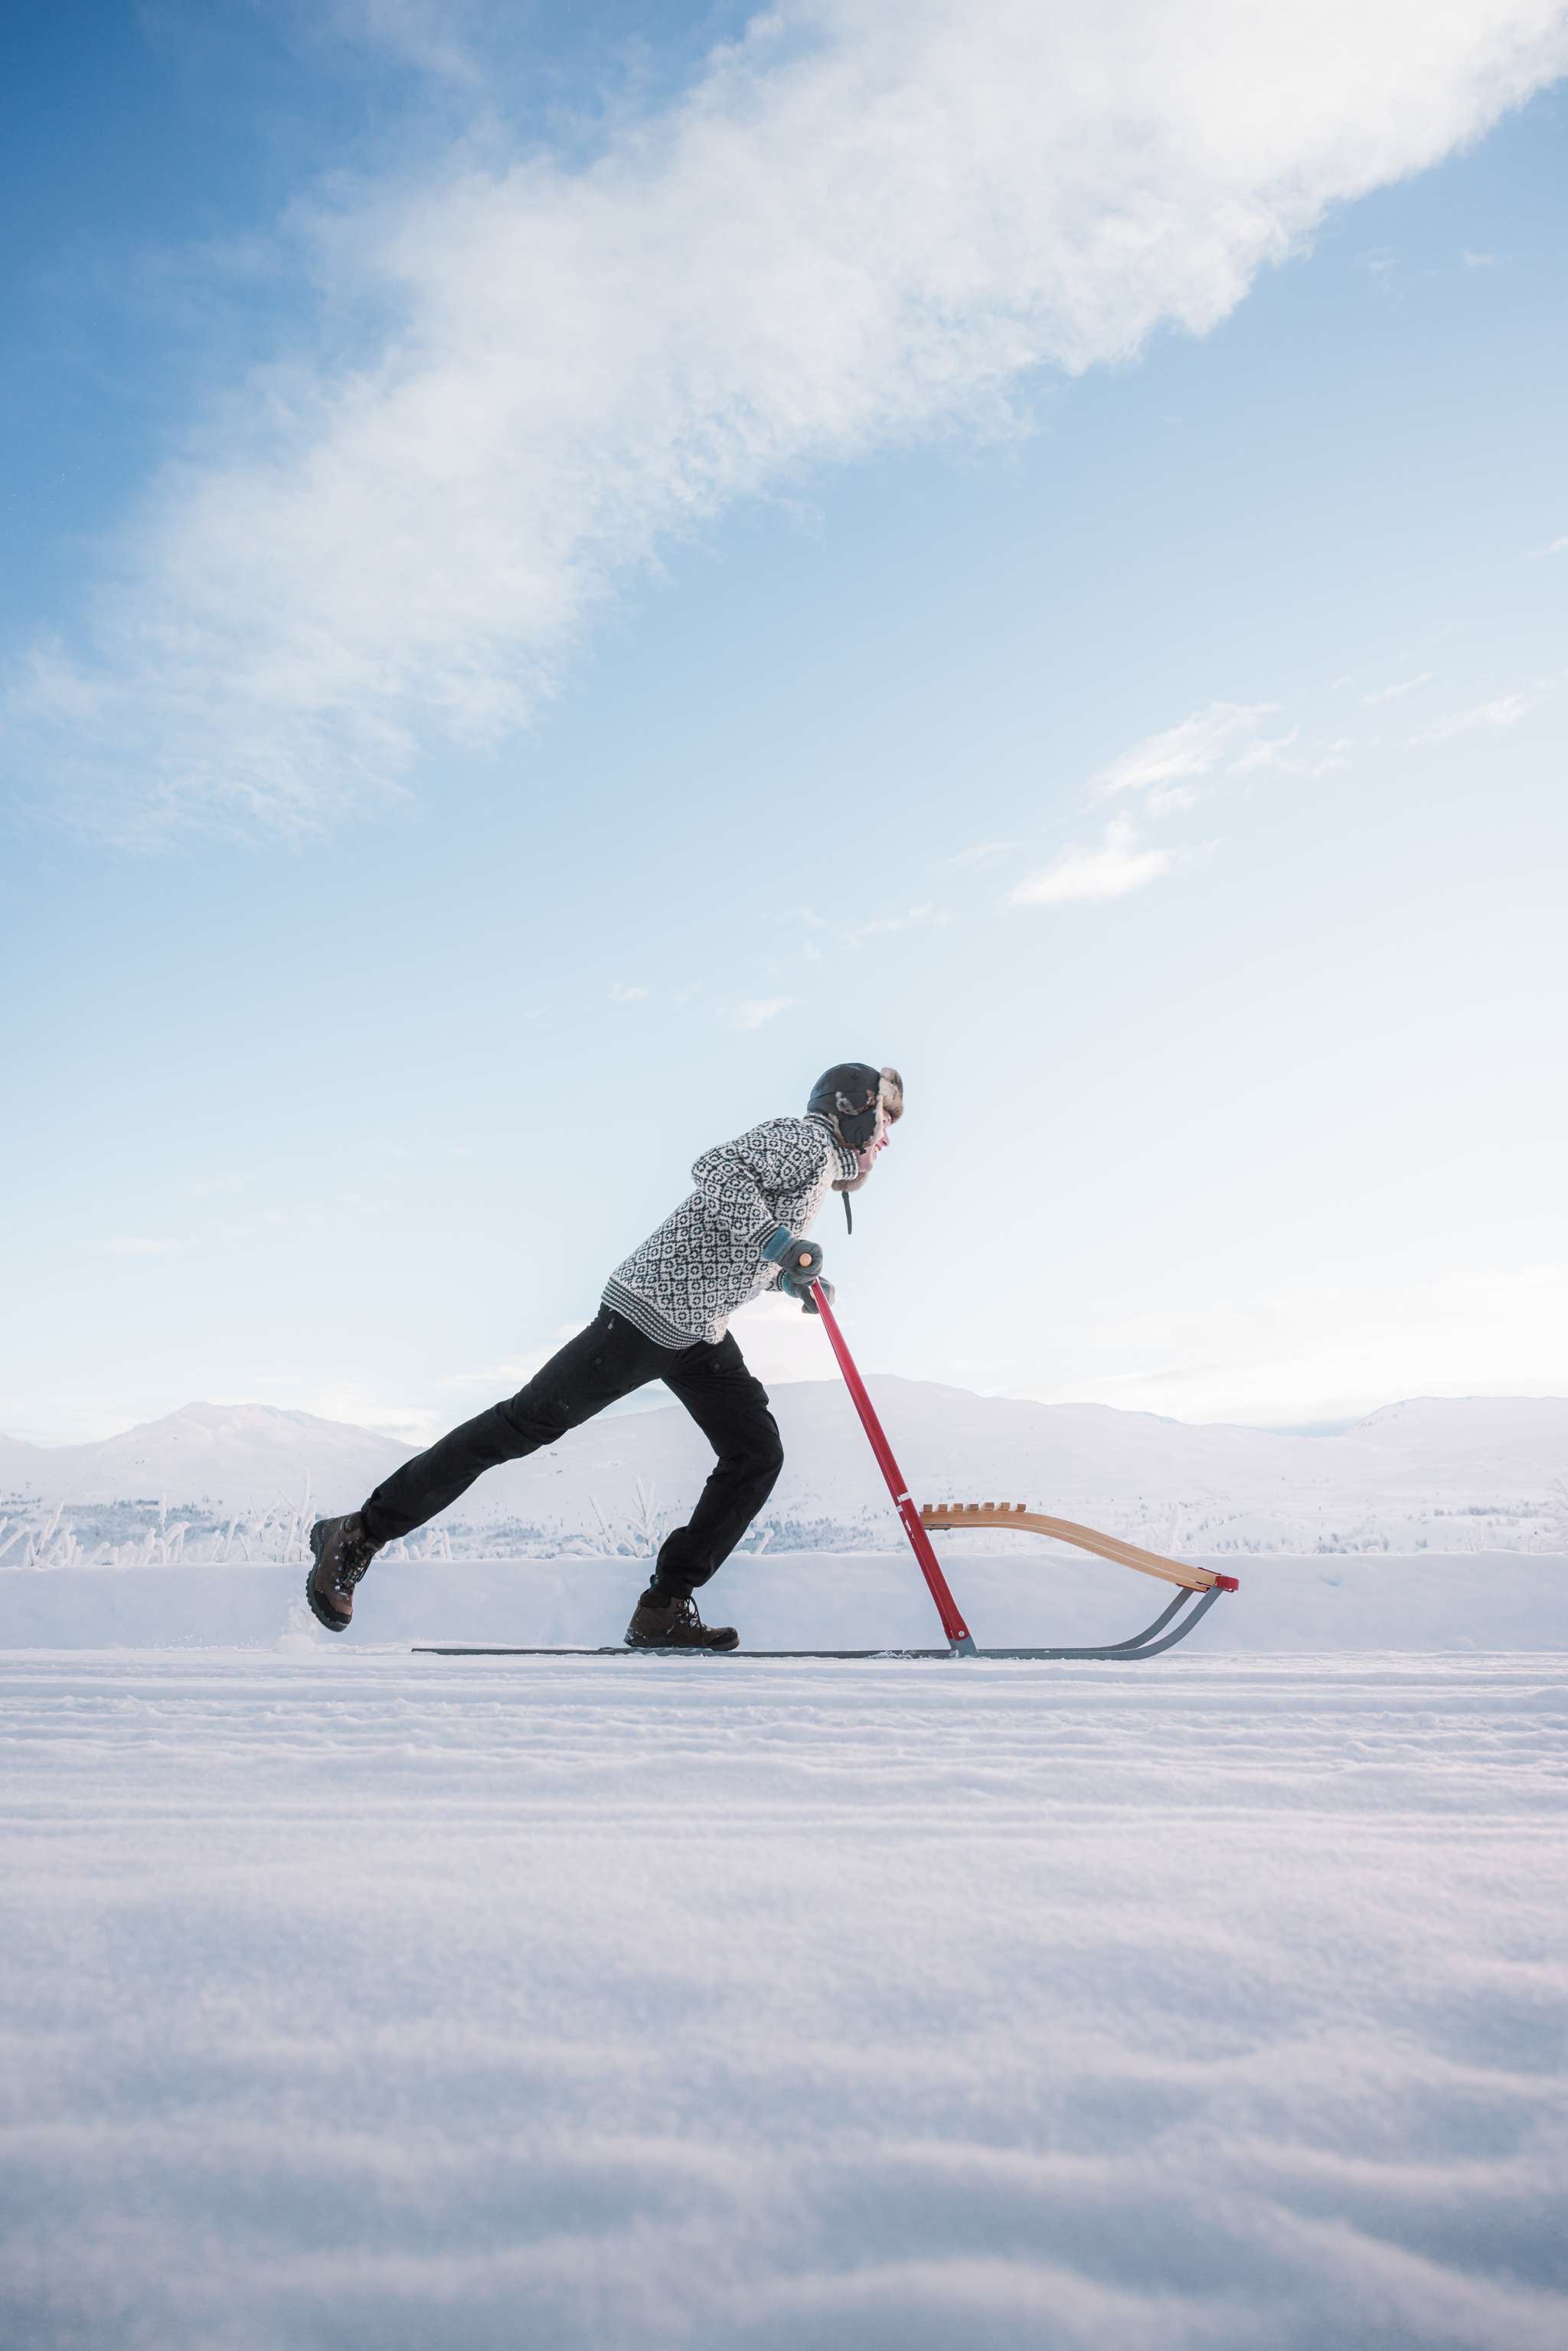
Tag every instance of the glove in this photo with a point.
(798, 1262)
(808, 1305)
(801, 1269)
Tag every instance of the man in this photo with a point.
(664, 1315)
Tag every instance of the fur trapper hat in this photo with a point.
(860, 1102)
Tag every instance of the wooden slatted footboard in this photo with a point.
(1014, 1518)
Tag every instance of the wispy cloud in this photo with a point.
(1394, 692)
(834, 937)
(623, 992)
(1078, 875)
(1268, 751)
(1193, 748)
(860, 224)
(913, 918)
(1506, 711)
(436, 36)
(983, 853)
(133, 1245)
(1279, 753)
(755, 1010)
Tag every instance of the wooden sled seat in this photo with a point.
(1013, 1517)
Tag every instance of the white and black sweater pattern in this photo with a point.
(705, 1259)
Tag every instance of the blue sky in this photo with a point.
(556, 586)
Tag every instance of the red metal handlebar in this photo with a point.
(953, 1625)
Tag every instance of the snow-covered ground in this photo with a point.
(1035, 1594)
(351, 1999)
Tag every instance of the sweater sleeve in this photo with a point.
(782, 1154)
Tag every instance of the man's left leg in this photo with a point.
(730, 1407)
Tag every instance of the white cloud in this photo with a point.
(621, 992)
(1506, 711)
(756, 1009)
(1558, 547)
(863, 222)
(1393, 693)
(1195, 746)
(1078, 875)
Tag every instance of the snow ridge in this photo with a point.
(1435, 1473)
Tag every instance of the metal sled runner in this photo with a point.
(1197, 1588)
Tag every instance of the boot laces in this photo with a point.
(357, 1554)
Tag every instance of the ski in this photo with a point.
(619, 1649)
(1146, 1644)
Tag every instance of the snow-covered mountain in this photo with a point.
(241, 1455)
(1446, 1474)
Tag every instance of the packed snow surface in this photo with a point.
(353, 1998)
(1036, 1595)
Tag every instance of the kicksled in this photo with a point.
(1196, 1588)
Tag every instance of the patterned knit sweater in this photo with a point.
(706, 1261)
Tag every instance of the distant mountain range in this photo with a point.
(1444, 1474)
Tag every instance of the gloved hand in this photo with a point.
(808, 1305)
(804, 1267)
(798, 1262)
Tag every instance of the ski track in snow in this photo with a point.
(371, 2001)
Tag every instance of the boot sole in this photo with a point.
(332, 1624)
(674, 1648)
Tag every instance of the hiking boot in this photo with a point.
(342, 1551)
(659, 1622)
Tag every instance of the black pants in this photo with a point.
(606, 1361)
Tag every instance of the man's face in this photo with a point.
(866, 1160)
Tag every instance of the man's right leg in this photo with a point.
(602, 1363)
